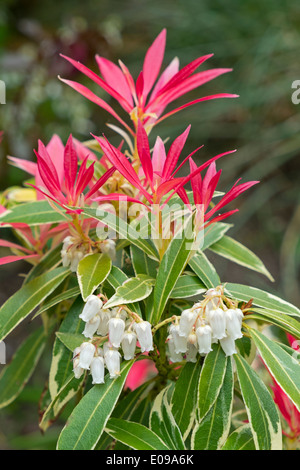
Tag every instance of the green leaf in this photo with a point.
(65, 394)
(134, 435)
(261, 299)
(284, 368)
(187, 286)
(184, 399)
(211, 379)
(16, 374)
(91, 272)
(33, 213)
(162, 422)
(26, 299)
(116, 278)
(66, 295)
(49, 261)
(124, 410)
(132, 290)
(71, 340)
(212, 431)
(214, 233)
(124, 230)
(240, 439)
(90, 416)
(61, 364)
(285, 322)
(204, 270)
(261, 409)
(171, 267)
(142, 264)
(230, 249)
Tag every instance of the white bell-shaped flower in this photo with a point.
(76, 352)
(213, 302)
(144, 334)
(78, 371)
(187, 320)
(191, 353)
(228, 345)
(91, 327)
(116, 328)
(86, 355)
(103, 325)
(97, 370)
(66, 258)
(204, 338)
(91, 308)
(233, 323)
(180, 342)
(109, 248)
(217, 321)
(128, 345)
(67, 242)
(172, 354)
(77, 256)
(112, 360)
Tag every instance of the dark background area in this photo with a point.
(259, 40)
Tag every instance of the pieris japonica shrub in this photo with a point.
(119, 278)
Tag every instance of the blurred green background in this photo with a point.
(259, 40)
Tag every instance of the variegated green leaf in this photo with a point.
(204, 270)
(61, 364)
(286, 322)
(261, 299)
(187, 286)
(33, 213)
(91, 272)
(90, 416)
(26, 299)
(162, 422)
(240, 439)
(142, 264)
(132, 290)
(184, 399)
(230, 249)
(211, 379)
(65, 394)
(17, 373)
(284, 368)
(134, 435)
(212, 431)
(261, 409)
(171, 267)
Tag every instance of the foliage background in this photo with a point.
(260, 40)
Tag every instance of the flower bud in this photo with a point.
(228, 345)
(129, 345)
(91, 308)
(233, 323)
(91, 327)
(97, 370)
(187, 320)
(173, 356)
(116, 328)
(204, 334)
(180, 342)
(112, 361)
(217, 321)
(144, 334)
(86, 355)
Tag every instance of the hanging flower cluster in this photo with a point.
(114, 329)
(214, 319)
